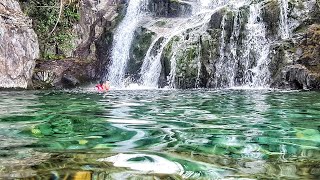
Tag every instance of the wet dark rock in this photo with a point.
(169, 8)
(216, 19)
(103, 52)
(300, 61)
(68, 73)
(271, 16)
(94, 19)
(297, 77)
(139, 47)
(94, 32)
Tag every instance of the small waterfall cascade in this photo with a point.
(122, 42)
(223, 68)
(220, 44)
(248, 67)
(151, 67)
(256, 53)
(284, 25)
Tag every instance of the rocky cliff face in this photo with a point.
(92, 41)
(18, 46)
(296, 62)
(95, 18)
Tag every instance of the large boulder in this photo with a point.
(18, 48)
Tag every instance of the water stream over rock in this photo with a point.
(199, 43)
(122, 42)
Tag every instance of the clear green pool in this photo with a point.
(150, 134)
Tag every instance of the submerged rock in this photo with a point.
(18, 48)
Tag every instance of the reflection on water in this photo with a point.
(162, 134)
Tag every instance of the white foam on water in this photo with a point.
(131, 121)
(247, 87)
(150, 164)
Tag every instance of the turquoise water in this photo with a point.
(164, 134)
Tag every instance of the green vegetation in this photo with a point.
(53, 22)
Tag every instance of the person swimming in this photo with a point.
(103, 86)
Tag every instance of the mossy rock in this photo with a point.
(187, 69)
(139, 47)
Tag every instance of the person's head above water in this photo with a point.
(106, 85)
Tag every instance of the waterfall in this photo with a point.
(284, 26)
(222, 76)
(122, 42)
(255, 60)
(237, 52)
(151, 67)
(198, 65)
(172, 75)
(248, 67)
(205, 3)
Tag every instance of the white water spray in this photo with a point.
(151, 67)
(243, 59)
(122, 42)
(256, 59)
(284, 26)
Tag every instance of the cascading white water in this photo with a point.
(122, 42)
(233, 55)
(205, 3)
(172, 75)
(257, 50)
(226, 65)
(198, 65)
(243, 51)
(221, 67)
(151, 67)
(248, 67)
(284, 26)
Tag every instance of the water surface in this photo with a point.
(165, 134)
